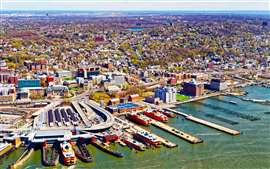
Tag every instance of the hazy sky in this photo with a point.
(135, 5)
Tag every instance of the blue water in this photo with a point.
(135, 29)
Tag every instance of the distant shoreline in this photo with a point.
(254, 12)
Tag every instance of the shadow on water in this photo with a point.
(228, 111)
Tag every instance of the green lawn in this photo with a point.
(180, 97)
(74, 89)
(68, 78)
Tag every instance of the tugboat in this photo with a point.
(156, 115)
(68, 154)
(138, 119)
(146, 138)
(133, 144)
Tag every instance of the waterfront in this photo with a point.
(250, 150)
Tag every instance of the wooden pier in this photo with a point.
(206, 123)
(176, 132)
(213, 125)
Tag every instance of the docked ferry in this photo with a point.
(68, 154)
(156, 115)
(138, 119)
(146, 138)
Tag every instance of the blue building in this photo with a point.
(28, 83)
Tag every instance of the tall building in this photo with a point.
(218, 84)
(87, 73)
(193, 89)
(166, 94)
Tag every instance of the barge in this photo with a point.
(97, 143)
(50, 155)
(82, 152)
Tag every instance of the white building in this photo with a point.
(166, 94)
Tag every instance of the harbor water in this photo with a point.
(250, 150)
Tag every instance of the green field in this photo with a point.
(180, 97)
(74, 89)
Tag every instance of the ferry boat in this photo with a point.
(138, 119)
(146, 138)
(156, 115)
(68, 153)
(133, 144)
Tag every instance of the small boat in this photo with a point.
(232, 102)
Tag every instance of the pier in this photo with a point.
(25, 156)
(176, 132)
(213, 125)
(206, 123)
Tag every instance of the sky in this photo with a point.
(137, 5)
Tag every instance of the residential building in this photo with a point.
(166, 94)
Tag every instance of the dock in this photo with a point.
(176, 132)
(206, 123)
(25, 156)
